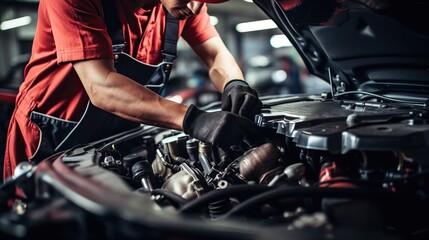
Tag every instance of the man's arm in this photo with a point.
(237, 96)
(120, 95)
(219, 61)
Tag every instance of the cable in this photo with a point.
(8, 184)
(7, 191)
(171, 196)
(380, 97)
(219, 194)
(312, 192)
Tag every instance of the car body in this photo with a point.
(350, 163)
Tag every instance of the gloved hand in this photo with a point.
(239, 98)
(222, 129)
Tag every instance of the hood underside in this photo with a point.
(378, 46)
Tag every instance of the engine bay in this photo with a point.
(372, 151)
(324, 166)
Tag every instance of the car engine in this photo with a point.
(355, 164)
(324, 166)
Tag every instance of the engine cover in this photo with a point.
(342, 126)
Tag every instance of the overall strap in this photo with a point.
(114, 28)
(169, 47)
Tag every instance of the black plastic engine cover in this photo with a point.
(341, 126)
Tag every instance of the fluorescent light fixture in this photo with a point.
(14, 23)
(214, 20)
(259, 61)
(176, 98)
(255, 26)
(278, 41)
(248, 1)
(279, 76)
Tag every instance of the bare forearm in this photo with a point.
(126, 98)
(132, 101)
(224, 68)
(221, 64)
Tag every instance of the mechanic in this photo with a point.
(79, 87)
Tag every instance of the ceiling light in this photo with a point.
(14, 23)
(279, 76)
(278, 41)
(214, 20)
(255, 26)
(259, 61)
(176, 98)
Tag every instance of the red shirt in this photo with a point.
(75, 30)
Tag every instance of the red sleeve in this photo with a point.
(79, 30)
(198, 28)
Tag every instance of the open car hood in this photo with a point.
(378, 46)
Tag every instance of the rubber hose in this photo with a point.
(171, 196)
(311, 192)
(219, 194)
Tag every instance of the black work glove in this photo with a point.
(222, 129)
(239, 98)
